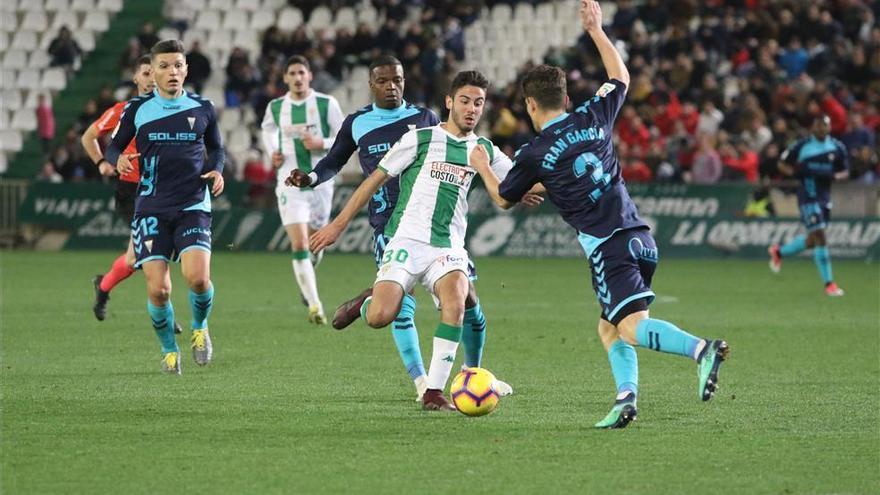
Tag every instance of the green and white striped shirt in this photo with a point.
(287, 121)
(435, 177)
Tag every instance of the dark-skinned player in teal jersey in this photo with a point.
(815, 161)
(181, 158)
(574, 158)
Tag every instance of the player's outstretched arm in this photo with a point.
(479, 160)
(89, 142)
(328, 234)
(342, 149)
(591, 19)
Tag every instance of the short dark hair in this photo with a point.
(297, 59)
(546, 84)
(167, 46)
(468, 78)
(383, 60)
(144, 60)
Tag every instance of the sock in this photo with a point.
(364, 308)
(406, 337)
(793, 246)
(473, 336)
(201, 307)
(823, 263)
(163, 324)
(624, 366)
(119, 271)
(305, 277)
(663, 336)
(445, 344)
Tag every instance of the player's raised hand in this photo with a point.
(479, 159)
(313, 143)
(277, 160)
(123, 164)
(591, 15)
(217, 180)
(325, 236)
(298, 178)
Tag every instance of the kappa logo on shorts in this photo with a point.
(451, 174)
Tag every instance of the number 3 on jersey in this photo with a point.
(588, 163)
(400, 257)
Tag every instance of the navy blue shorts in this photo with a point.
(167, 236)
(380, 240)
(622, 268)
(815, 215)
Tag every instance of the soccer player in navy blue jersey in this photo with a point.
(181, 159)
(372, 131)
(574, 158)
(815, 161)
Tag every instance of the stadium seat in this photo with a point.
(29, 5)
(38, 59)
(28, 78)
(10, 99)
(15, 59)
(215, 94)
(10, 141)
(57, 5)
(262, 19)
(97, 21)
(4, 163)
(24, 119)
(8, 80)
(524, 12)
(167, 33)
(501, 13)
(8, 22)
(221, 5)
(239, 140)
(67, 18)
(4, 118)
(25, 40)
(113, 6)
(85, 38)
(30, 101)
(274, 4)
(290, 18)
(235, 19)
(54, 78)
(368, 14)
(208, 20)
(82, 5)
(196, 5)
(247, 39)
(219, 40)
(34, 21)
(248, 5)
(346, 18)
(191, 35)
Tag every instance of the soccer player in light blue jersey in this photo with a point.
(173, 130)
(815, 161)
(573, 157)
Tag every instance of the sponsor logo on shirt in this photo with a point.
(168, 136)
(605, 90)
(451, 174)
(378, 148)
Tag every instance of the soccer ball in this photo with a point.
(472, 392)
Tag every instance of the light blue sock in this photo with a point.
(793, 246)
(163, 324)
(201, 307)
(473, 337)
(624, 366)
(663, 336)
(406, 337)
(823, 262)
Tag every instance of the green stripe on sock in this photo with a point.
(448, 332)
(300, 255)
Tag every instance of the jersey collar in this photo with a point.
(554, 121)
(290, 98)
(183, 95)
(392, 112)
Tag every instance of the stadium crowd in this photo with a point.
(719, 88)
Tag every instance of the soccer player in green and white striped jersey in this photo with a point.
(428, 224)
(298, 129)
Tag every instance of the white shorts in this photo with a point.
(311, 206)
(406, 262)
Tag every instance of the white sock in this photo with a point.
(305, 277)
(441, 363)
(421, 383)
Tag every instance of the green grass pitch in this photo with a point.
(291, 408)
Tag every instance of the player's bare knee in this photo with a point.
(199, 283)
(378, 317)
(159, 294)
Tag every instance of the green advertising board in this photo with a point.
(687, 221)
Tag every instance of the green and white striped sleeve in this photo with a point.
(401, 155)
